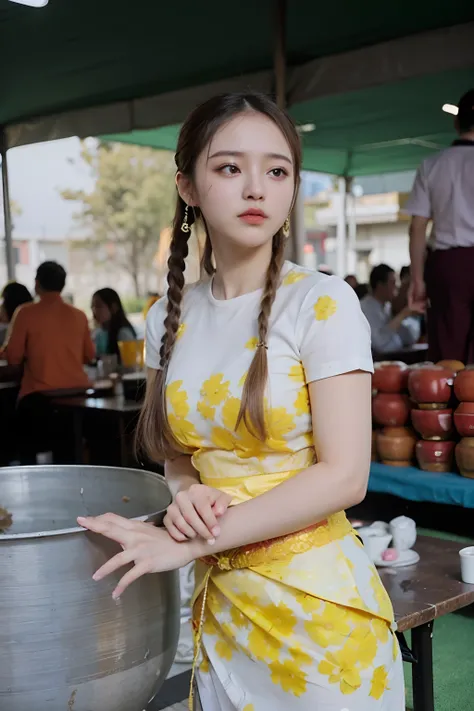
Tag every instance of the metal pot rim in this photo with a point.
(79, 529)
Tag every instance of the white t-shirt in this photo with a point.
(444, 191)
(317, 330)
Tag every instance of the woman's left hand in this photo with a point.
(151, 549)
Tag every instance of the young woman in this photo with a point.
(113, 324)
(259, 397)
(13, 295)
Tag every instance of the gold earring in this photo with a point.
(185, 226)
(286, 227)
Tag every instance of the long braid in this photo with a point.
(154, 435)
(252, 408)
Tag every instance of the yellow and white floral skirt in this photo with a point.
(300, 624)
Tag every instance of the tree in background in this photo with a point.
(131, 203)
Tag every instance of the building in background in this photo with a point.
(377, 229)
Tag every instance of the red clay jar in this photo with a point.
(435, 456)
(396, 446)
(465, 457)
(454, 365)
(390, 377)
(431, 384)
(464, 419)
(390, 409)
(464, 384)
(433, 424)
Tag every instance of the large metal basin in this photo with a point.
(65, 645)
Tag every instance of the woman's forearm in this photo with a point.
(180, 474)
(307, 498)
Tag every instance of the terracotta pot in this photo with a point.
(465, 408)
(464, 419)
(390, 409)
(433, 424)
(396, 446)
(454, 365)
(464, 384)
(430, 384)
(435, 456)
(390, 377)
(465, 457)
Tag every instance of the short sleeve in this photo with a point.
(332, 333)
(419, 203)
(154, 332)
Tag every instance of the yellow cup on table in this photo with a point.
(132, 353)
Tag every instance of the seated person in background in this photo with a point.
(13, 295)
(51, 340)
(113, 325)
(361, 290)
(389, 333)
(351, 279)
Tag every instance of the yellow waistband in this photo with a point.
(243, 488)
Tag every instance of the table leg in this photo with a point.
(422, 647)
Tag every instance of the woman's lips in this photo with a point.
(253, 217)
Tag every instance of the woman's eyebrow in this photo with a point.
(240, 154)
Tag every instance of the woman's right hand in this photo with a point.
(195, 512)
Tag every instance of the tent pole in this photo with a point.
(279, 58)
(351, 258)
(7, 216)
(341, 228)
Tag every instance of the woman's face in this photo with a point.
(100, 311)
(244, 182)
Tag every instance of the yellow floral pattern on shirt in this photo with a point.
(181, 329)
(301, 403)
(293, 278)
(178, 410)
(252, 343)
(297, 373)
(324, 308)
(215, 390)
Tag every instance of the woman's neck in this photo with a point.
(238, 274)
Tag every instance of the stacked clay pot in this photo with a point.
(395, 443)
(431, 389)
(464, 421)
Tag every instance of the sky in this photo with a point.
(37, 173)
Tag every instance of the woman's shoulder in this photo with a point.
(301, 284)
(158, 310)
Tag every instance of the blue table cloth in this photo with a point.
(416, 485)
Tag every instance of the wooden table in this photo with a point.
(114, 406)
(420, 594)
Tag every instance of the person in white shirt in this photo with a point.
(389, 333)
(442, 270)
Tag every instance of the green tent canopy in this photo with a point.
(384, 129)
(88, 68)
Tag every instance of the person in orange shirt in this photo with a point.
(50, 339)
